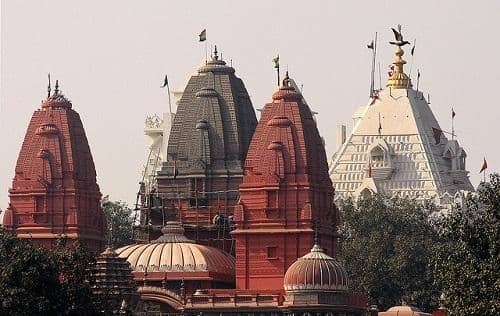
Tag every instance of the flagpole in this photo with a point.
(206, 53)
(169, 103)
(418, 78)
(452, 125)
(412, 52)
(379, 77)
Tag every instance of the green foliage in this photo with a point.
(29, 281)
(119, 220)
(37, 281)
(468, 266)
(386, 248)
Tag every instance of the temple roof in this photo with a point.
(213, 124)
(55, 175)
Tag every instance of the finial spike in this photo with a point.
(215, 53)
(316, 233)
(286, 80)
(56, 90)
(48, 87)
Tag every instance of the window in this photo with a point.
(272, 252)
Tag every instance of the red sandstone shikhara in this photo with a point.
(54, 193)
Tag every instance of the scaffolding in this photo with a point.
(207, 216)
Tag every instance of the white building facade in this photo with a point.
(397, 147)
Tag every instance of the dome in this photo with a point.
(316, 271)
(175, 255)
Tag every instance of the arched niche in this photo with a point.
(380, 159)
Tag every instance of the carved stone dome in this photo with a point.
(174, 256)
(316, 271)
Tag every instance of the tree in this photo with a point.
(37, 281)
(467, 266)
(119, 220)
(386, 247)
(29, 281)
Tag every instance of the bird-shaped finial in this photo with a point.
(399, 37)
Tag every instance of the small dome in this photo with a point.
(315, 271)
(174, 253)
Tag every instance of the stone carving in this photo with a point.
(153, 121)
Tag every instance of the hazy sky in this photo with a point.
(111, 56)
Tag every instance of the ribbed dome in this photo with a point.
(173, 252)
(316, 271)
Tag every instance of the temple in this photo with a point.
(54, 193)
(285, 233)
(286, 193)
(198, 181)
(398, 148)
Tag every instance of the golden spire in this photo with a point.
(398, 79)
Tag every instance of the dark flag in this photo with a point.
(453, 113)
(276, 61)
(412, 52)
(437, 135)
(371, 45)
(165, 82)
(485, 165)
(418, 74)
(203, 35)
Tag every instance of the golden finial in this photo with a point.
(398, 79)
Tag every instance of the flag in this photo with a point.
(412, 50)
(371, 45)
(485, 165)
(165, 82)
(437, 134)
(418, 74)
(276, 61)
(203, 35)
(453, 113)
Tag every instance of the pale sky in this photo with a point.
(111, 56)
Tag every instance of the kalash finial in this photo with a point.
(398, 79)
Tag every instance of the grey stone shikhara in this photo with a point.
(212, 128)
